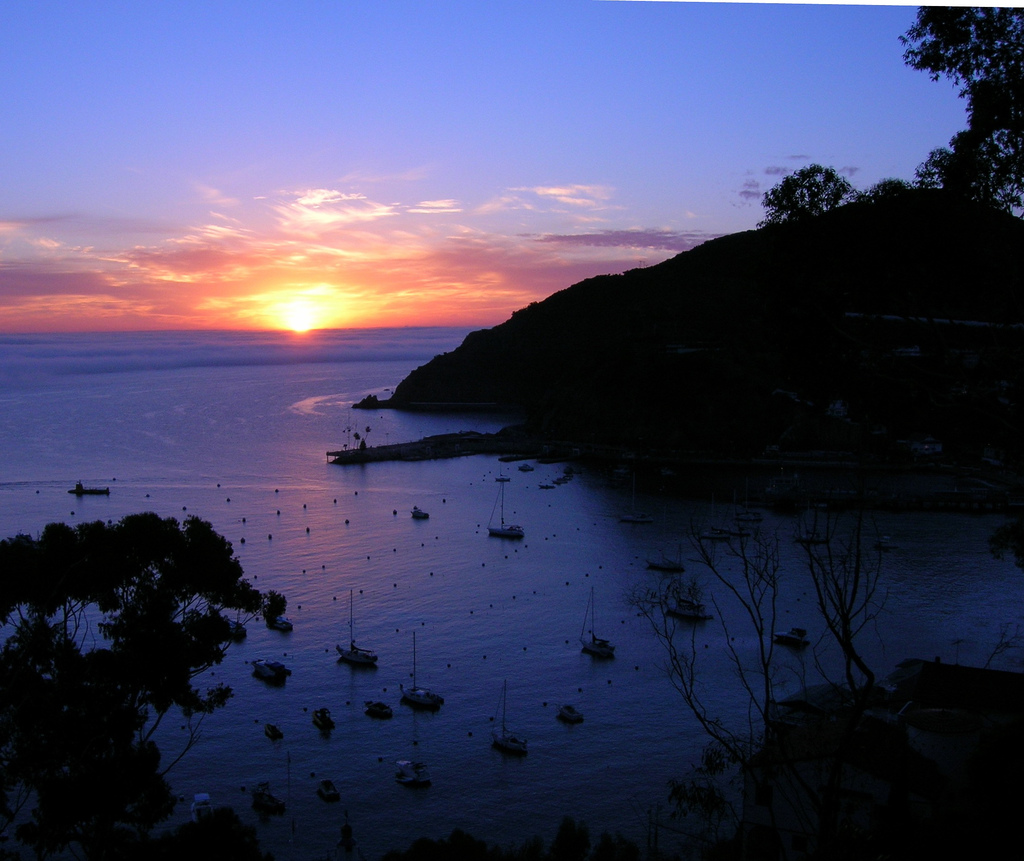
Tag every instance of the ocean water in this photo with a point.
(234, 428)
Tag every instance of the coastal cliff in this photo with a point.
(858, 330)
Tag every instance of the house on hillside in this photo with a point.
(922, 446)
(901, 759)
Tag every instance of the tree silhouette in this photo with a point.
(811, 191)
(107, 628)
(980, 50)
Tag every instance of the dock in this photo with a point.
(903, 488)
(445, 446)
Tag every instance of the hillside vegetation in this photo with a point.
(746, 340)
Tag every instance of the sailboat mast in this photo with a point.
(414, 659)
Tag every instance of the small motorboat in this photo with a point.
(570, 714)
(279, 623)
(328, 791)
(690, 611)
(272, 731)
(201, 806)
(636, 517)
(412, 773)
(236, 630)
(525, 467)
(270, 671)
(794, 637)
(322, 718)
(376, 709)
(748, 515)
(885, 543)
(418, 513)
(264, 801)
(667, 564)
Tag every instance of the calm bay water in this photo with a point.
(234, 428)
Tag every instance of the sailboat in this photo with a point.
(668, 563)
(595, 646)
(353, 654)
(416, 696)
(505, 740)
(722, 533)
(503, 529)
(635, 516)
(746, 514)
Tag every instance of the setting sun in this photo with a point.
(300, 316)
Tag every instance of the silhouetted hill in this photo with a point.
(746, 340)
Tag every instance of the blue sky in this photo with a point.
(267, 165)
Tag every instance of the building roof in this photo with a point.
(932, 684)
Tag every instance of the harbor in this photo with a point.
(785, 483)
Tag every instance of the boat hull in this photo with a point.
(421, 698)
(598, 649)
(506, 531)
(509, 744)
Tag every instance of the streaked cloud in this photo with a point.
(321, 209)
(435, 207)
(586, 196)
(751, 191)
(214, 196)
(326, 257)
(660, 239)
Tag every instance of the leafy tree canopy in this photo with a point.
(106, 629)
(811, 191)
(981, 51)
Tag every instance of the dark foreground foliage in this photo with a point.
(106, 629)
(571, 843)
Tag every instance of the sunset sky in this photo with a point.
(247, 164)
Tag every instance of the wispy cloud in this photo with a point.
(585, 196)
(317, 210)
(660, 239)
(750, 192)
(435, 207)
(214, 196)
(339, 256)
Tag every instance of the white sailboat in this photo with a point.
(635, 516)
(412, 773)
(596, 646)
(504, 740)
(416, 696)
(503, 529)
(354, 654)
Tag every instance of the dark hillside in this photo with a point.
(692, 353)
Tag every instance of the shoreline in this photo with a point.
(783, 482)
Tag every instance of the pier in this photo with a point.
(815, 484)
(444, 446)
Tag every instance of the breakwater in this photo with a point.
(794, 484)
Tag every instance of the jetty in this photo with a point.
(785, 484)
(443, 446)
